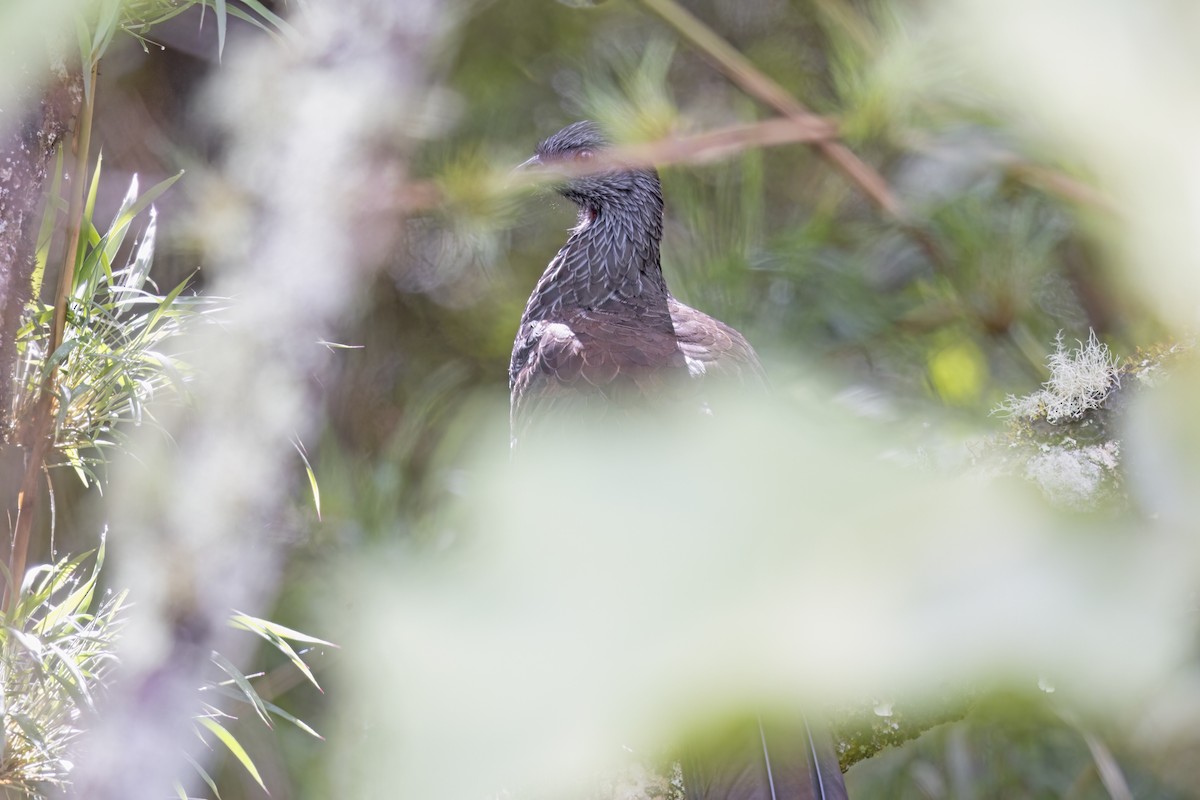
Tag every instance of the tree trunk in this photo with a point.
(49, 97)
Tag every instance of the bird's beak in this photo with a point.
(528, 164)
(528, 174)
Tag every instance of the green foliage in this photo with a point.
(57, 649)
(633, 99)
(121, 352)
(937, 317)
(139, 17)
(118, 350)
(239, 689)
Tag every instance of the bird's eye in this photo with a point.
(584, 155)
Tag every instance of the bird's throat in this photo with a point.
(610, 261)
(586, 217)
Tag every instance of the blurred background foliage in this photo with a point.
(922, 326)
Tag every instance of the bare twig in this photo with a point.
(1062, 185)
(83, 141)
(36, 437)
(725, 142)
(695, 149)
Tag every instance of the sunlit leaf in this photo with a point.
(234, 746)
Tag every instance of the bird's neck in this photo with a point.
(611, 259)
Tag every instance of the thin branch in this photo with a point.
(726, 142)
(698, 148)
(742, 72)
(1064, 186)
(83, 141)
(36, 436)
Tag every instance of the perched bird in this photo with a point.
(601, 329)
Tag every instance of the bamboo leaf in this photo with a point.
(299, 723)
(108, 22)
(89, 208)
(115, 235)
(219, 9)
(204, 776)
(282, 31)
(312, 476)
(76, 685)
(79, 601)
(58, 355)
(83, 38)
(136, 273)
(144, 201)
(255, 624)
(277, 634)
(235, 747)
(270, 16)
(243, 683)
(166, 303)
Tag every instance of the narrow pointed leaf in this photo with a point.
(219, 9)
(115, 235)
(235, 747)
(243, 683)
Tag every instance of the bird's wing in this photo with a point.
(714, 349)
(591, 358)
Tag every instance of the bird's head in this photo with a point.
(572, 150)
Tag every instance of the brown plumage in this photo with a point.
(601, 329)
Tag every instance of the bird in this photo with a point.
(601, 329)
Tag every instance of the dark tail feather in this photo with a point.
(760, 761)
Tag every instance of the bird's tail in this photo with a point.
(759, 760)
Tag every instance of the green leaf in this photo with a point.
(234, 746)
(299, 723)
(219, 9)
(166, 303)
(242, 683)
(79, 601)
(278, 28)
(312, 476)
(31, 643)
(270, 16)
(83, 267)
(83, 38)
(108, 22)
(89, 207)
(77, 685)
(255, 624)
(137, 272)
(132, 208)
(115, 235)
(276, 635)
(203, 773)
